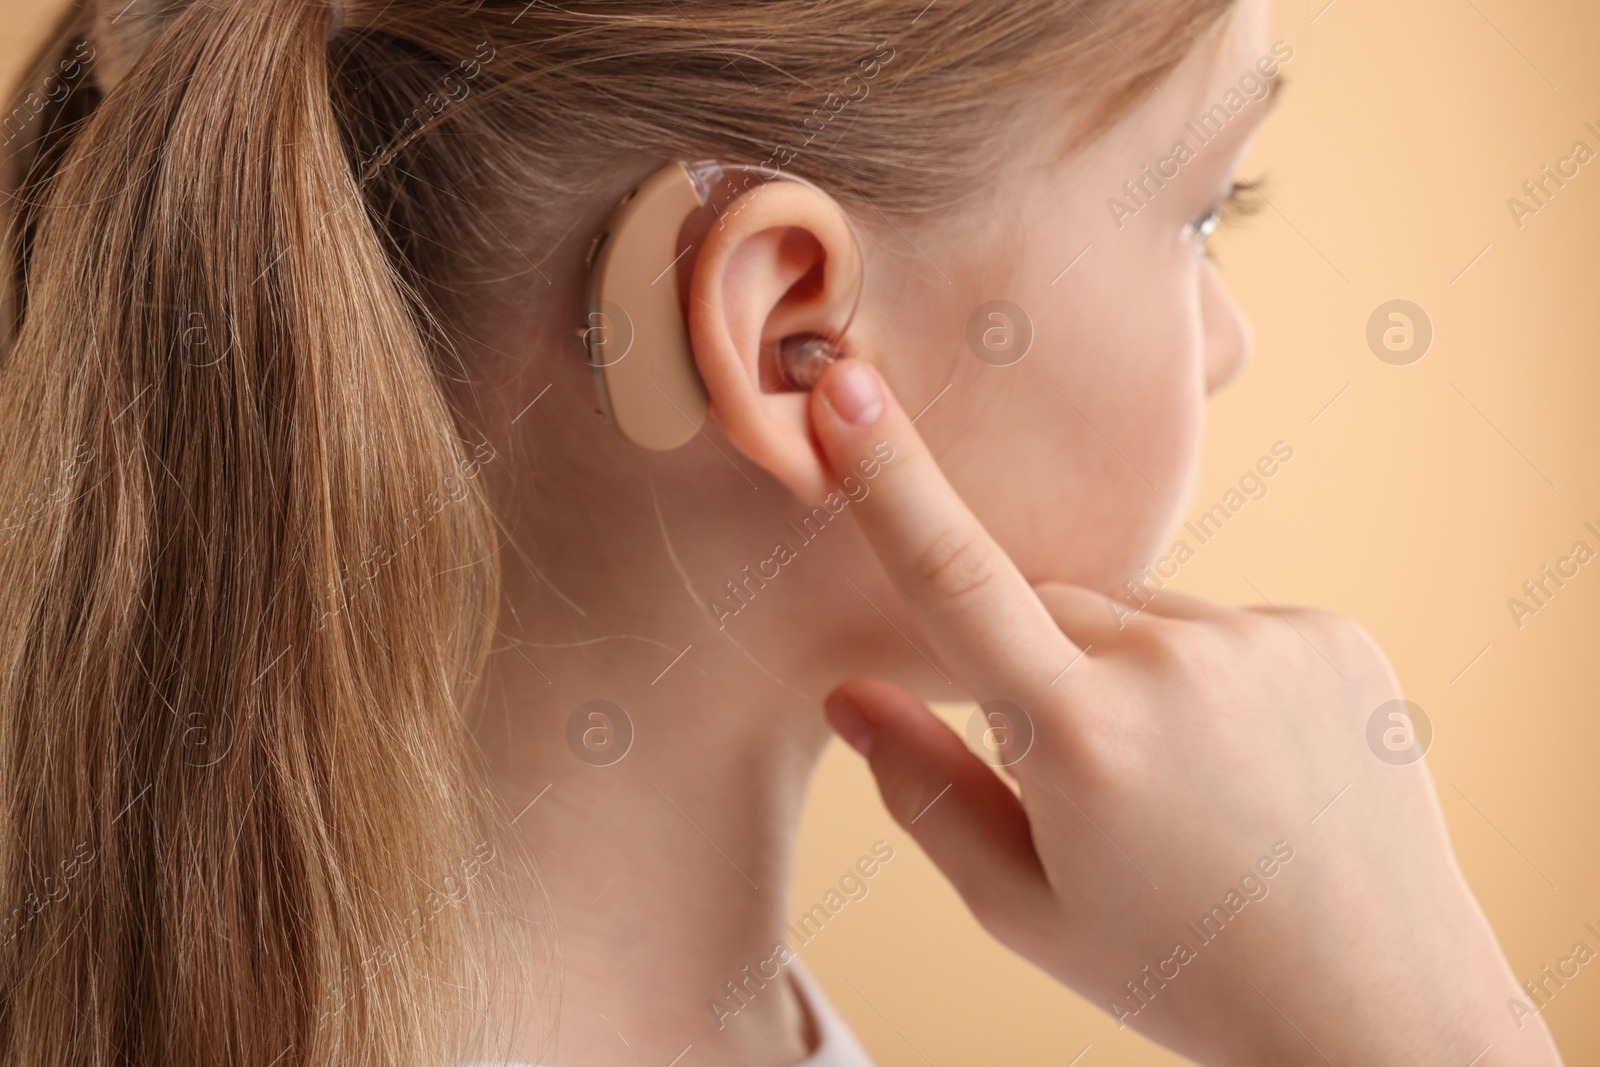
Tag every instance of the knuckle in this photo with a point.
(1360, 655)
(1320, 620)
(952, 565)
(1175, 649)
(1315, 636)
(1275, 627)
(1342, 638)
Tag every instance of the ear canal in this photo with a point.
(802, 357)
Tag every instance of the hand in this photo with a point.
(1202, 843)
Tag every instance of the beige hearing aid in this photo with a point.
(646, 382)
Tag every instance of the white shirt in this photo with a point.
(836, 1045)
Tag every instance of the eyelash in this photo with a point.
(1244, 199)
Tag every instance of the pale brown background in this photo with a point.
(1417, 503)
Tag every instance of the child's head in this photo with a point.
(1034, 208)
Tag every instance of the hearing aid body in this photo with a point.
(644, 371)
(646, 381)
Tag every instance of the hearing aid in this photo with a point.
(802, 357)
(634, 330)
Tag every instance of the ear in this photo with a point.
(780, 260)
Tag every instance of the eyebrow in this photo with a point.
(1235, 132)
(1275, 88)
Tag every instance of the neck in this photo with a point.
(668, 870)
(666, 855)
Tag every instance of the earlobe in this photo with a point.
(781, 263)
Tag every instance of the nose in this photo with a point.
(1228, 337)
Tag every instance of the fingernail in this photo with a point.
(852, 389)
(850, 723)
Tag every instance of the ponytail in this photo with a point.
(247, 578)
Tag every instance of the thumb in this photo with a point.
(965, 818)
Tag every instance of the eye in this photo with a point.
(1243, 199)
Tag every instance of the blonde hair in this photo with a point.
(248, 575)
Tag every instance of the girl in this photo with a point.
(328, 605)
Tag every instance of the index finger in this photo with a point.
(969, 597)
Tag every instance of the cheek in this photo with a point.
(1079, 457)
